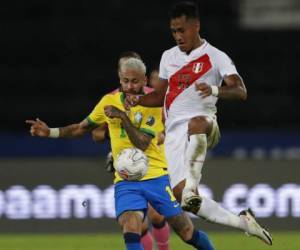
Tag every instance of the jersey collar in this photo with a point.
(123, 95)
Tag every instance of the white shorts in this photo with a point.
(176, 143)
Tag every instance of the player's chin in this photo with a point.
(183, 47)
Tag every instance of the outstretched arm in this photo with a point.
(233, 89)
(41, 129)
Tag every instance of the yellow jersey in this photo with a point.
(147, 120)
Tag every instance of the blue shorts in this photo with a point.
(135, 195)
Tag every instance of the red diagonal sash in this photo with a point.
(186, 76)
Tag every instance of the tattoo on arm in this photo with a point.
(138, 138)
(75, 130)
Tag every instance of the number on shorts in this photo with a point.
(169, 191)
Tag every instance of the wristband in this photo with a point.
(54, 133)
(214, 91)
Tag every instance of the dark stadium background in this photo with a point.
(59, 57)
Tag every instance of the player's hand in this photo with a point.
(204, 89)
(109, 163)
(113, 112)
(131, 101)
(38, 128)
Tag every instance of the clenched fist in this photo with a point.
(204, 89)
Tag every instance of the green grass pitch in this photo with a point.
(223, 241)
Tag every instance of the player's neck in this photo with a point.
(198, 44)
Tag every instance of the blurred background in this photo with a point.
(58, 58)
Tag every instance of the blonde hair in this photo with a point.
(133, 64)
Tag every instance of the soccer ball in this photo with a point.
(131, 164)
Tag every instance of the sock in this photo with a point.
(132, 241)
(161, 234)
(200, 241)
(194, 158)
(147, 240)
(213, 212)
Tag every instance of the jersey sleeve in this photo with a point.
(163, 74)
(97, 116)
(152, 122)
(225, 65)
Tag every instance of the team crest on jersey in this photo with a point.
(150, 121)
(197, 67)
(138, 117)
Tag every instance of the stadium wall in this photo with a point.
(76, 194)
(275, 145)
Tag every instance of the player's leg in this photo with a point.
(202, 206)
(213, 212)
(198, 130)
(131, 207)
(160, 229)
(131, 223)
(158, 192)
(146, 238)
(184, 227)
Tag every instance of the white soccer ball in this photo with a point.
(131, 164)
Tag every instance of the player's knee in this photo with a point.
(131, 222)
(200, 125)
(182, 225)
(186, 232)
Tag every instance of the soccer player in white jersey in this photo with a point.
(193, 75)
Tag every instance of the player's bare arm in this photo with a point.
(41, 129)
(234, 88)
(154, 99)
(100, 134)
(138, 138)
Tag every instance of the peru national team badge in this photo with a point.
(150, 121)
(197, 67)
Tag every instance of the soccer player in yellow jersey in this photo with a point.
(134, 128)
(160, 229)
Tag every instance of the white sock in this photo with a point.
(213, 212)
(194, 158)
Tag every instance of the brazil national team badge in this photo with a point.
(150, 121)
(138, 117)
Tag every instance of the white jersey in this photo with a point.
(205, 64)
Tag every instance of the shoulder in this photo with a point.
(215, 53)
(110, 97)
(170, 52)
